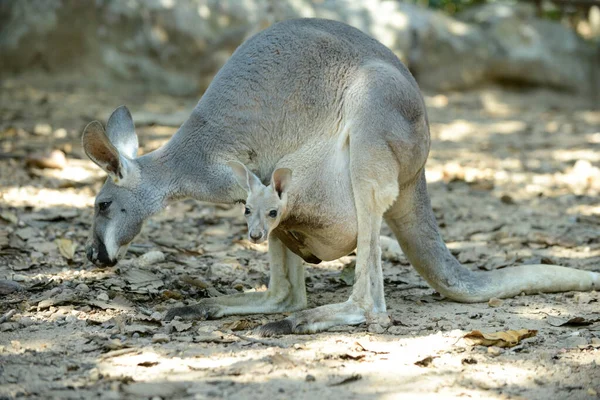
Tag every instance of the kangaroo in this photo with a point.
(266, 206)
(349, 117)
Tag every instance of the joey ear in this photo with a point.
(120, 130)
(280, 180)
(100, 150)
(245, 178)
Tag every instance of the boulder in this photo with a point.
(176, 47)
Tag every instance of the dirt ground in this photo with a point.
(513, 176)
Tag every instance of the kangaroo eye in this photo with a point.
(273, 213)
(104, 205)
(247, 211)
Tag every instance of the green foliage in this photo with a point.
(453, 6)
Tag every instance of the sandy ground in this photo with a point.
(513, 177)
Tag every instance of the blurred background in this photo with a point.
(512, 91)
(176, 47)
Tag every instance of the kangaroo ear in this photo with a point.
(245, 178)
(280, 180)
(101, 151)
(121, 132)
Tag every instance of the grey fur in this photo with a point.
(340, 110)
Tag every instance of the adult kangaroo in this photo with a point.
(340, 110)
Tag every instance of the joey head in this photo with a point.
(265, 205)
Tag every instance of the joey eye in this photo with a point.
(247, 211)
(273, 213)
(103, 206)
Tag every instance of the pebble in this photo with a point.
(8, 326)
(494, 302)
(574, 341)
(310, 378)
(494, 351)
(102, 296)
(160, 338)
(70, 318)
(8, 287)
(42, 129)
(82, 287)
(376, 328)
(152, 257)
(19, 278)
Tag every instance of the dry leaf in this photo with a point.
(574, 321)
(500, 339)
(240, 325)
(66, 248)
(344, 379)
(426, 362)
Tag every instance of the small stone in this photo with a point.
(42, 129)
(494, 302)
(60, 133)
(310, 378)
(156, 316)
(70, 318)
(25, 322)
(8, 326)
(8, 287)
(103, 296)
(494, 351)
(592, 392)
(573, 342)
(376, 328)
(82, 287)
(19, 278)
(160, 338)
(152, 257)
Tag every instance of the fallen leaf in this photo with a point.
(348, 356)
(148, 363)
(66, 248)
(240, 325)
(574, 321)
(344, 379)
(426, 362)
(499, 339)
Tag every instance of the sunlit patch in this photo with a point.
(31, 196)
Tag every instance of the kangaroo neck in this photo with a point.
(190, 166)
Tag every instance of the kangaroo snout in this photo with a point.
(98, 255)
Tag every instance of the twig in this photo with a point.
(7, 316)
(260, 341)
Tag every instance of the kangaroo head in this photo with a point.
(125, 200)
(265, 205)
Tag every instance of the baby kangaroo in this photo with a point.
(265, 205)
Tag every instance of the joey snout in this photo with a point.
(257, 235)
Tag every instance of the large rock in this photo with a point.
(177, 46)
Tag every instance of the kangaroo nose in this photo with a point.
(89, 252)
(255, 235)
